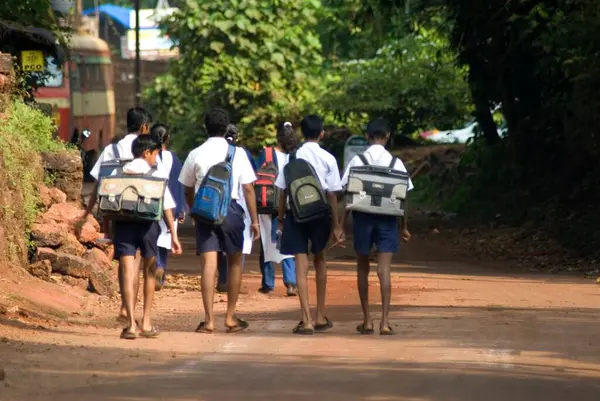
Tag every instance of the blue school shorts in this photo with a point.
(295, 237)
(162, 257)
(227, 237)
(131, 236)
(380, 230)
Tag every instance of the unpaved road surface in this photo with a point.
(464, 332)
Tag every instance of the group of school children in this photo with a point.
(288, 198)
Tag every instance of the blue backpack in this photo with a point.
(212, 200)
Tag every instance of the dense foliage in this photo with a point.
(258, 59)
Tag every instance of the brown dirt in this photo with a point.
(466, 331)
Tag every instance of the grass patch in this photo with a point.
(24, 133)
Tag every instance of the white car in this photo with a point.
(462, 135)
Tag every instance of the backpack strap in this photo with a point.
(116, 153)
(292, 156)
(230, 154)
(363, 159)
(393, 162)
(152, 170)
(269, 154)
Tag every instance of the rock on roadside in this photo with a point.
(41, 269)
(102, 284)
(48, 234)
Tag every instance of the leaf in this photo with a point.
(278, 58)
(217, 46)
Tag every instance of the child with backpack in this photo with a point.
(310, 181)
(213, 174)
(173, 167)
(383, 183)
(136, 215)
(232, 137)
(271, 161)
(114, 156)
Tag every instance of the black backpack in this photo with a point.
(307, 198)
(267, 194)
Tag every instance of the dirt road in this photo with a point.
(465, 332)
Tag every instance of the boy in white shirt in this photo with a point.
(133, 236)
(229, 236)
(295, 236)
(138, 123)
(371, 229)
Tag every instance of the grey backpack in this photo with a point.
(377, 189)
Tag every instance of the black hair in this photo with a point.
(311, 127)
(136, 117)
(231, 133)
(377, 129)
(143, 143)
(216, 122)
(160, 133)
(286, 137)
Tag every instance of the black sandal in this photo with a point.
(240, 325)
(362, 330)
(152, 333)
(301, 330)
(324, 327)
(387, 331)
(127, 335)
(202, 329)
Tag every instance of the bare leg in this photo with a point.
(149, 288)
(130, 271)
(209, 274)
(302, 282)
(321, 270)
(234, 284)
(138, 264)
(363, 268)
(383, 271)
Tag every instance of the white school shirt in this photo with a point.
(124, 146)
(376, 155)
(211, 152)
(140, 166)
(271, 252)
(164, 239)
(324, 163)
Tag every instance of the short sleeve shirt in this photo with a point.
(211, 152)
(376, 155)
(323, 162)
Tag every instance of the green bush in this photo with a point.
(23, 135)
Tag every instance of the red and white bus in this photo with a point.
(81, 94)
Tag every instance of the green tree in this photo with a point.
(258, 59)
(413, 81)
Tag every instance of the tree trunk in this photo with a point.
(482, 105)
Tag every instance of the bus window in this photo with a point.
(54, 76)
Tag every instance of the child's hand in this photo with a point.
(337, 238)
(176, 246)
(405, 235)
(255, 231)
(181, 218)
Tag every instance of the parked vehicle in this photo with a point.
(81, 95)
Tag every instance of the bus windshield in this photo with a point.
(54, 74)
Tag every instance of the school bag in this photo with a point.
(267, 194)
(109, 166)
(212, 200)
(131, 196)
(376, 189)
(307, 198)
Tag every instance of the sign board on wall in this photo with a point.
(32, 60)
(355, 145)
(153, 45)
(150, 17)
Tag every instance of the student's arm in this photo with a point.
(189, 196)
(281, 211)
(405, 235)
(250, 197)
(344, 219)
(336, 230)
(175, 245)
